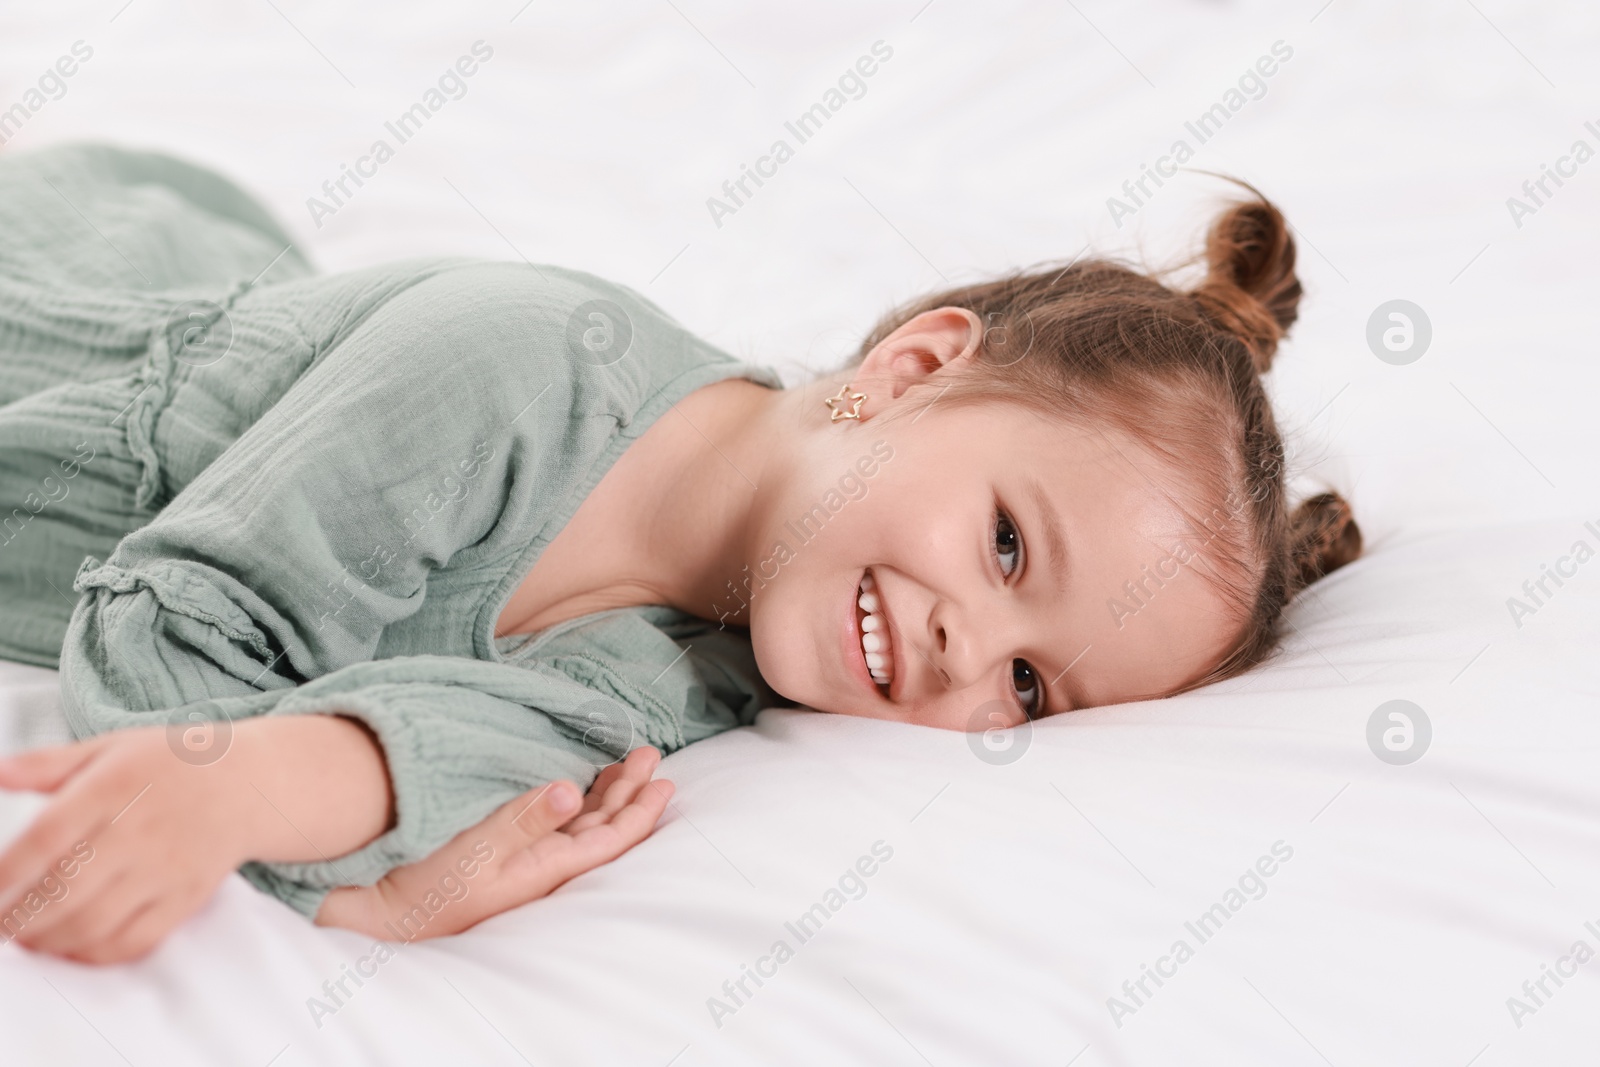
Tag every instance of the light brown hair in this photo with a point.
(1180, 372)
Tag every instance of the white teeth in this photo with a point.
(875, 635)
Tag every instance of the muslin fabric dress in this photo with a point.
(231, 486)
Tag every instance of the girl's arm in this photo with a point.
(315, 786)
(335, 560)
(136, 838)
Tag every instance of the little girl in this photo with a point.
(373, 567)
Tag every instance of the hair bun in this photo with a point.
(1250, 288)
(1323, 536)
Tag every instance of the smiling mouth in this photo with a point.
(873, 626)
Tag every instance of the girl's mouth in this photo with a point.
(872, 623)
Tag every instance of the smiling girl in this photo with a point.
(374, 568)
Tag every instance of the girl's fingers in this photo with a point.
(82, 915)
(535, 870)
(541, 811)
(510, 829)
(629, 826)
(55, 842)
(631, 775)
(349, 907)
(141, 930)
(562, 856)
(644, 754)
(514, 825)
(597, 788)
(43, 770)
(532, 842)
(636, 766)
(621, 793)
(635, 773)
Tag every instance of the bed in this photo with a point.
(1377, 848)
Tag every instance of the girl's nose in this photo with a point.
(969, 646)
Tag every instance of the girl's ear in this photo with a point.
(943, 340)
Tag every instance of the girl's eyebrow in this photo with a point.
(1054, 537)
(1060, 568)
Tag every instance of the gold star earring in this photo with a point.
(855, 399)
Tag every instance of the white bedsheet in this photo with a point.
(1018, 898)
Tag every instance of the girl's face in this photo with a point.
(1022, 566)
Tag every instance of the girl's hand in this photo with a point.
(133, 842)
(520, 853)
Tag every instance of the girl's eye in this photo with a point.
(1026, 682)
(1007, 542)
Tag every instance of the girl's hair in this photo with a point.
(1180, 372)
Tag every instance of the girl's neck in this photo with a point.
(700, 486)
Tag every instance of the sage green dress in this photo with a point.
(231, 486)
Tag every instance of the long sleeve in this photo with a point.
(378, 514)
